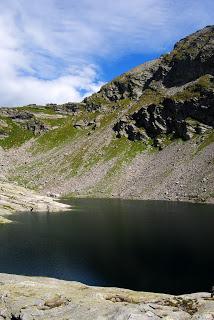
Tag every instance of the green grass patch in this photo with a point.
(208, 139)
(121, 151)
(54, 122)
(195, 89)
(148, 97)
(37, 109)
(77, 161)
(123, 147)
(56, 137)
(96, 99)
(17, 135)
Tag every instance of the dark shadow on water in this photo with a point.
(142, 245)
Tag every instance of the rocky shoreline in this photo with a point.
(28, 298)
(14, 198)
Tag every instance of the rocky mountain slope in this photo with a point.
(148, 134)
(29, 298)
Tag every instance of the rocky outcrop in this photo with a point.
(28, 298)
(68, 108)
(131, 84)
(191, 58)
(36, 126)
(179, 118)
(92, 124)
(183, 79)
(26, 119)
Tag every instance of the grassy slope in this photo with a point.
(86, 147)
(65, 152)
(15, 134)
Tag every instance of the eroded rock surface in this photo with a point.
(15, 198)
(181, 119)
(28, 298)
(191, 58)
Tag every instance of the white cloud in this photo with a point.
(21, 90)
(49, 49)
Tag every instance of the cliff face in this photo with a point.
(176, 118)
(190, 59)
(147, 134)
(182, 84)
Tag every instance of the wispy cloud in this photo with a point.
(50, 50)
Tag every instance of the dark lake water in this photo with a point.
(142, 245)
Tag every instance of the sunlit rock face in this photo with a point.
(42, 298)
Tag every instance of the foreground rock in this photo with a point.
(28, 298)
(15, 198)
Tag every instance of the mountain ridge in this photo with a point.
(148, 134)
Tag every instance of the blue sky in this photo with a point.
(62, 50)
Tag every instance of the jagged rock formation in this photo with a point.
(147, 134)
(25, 119)
(28, 298)
(179, 118)
(191, 58)
(184, 84)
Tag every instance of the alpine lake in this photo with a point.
(153, 246)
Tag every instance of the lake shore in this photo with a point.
(45, 298)
(14, 198)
